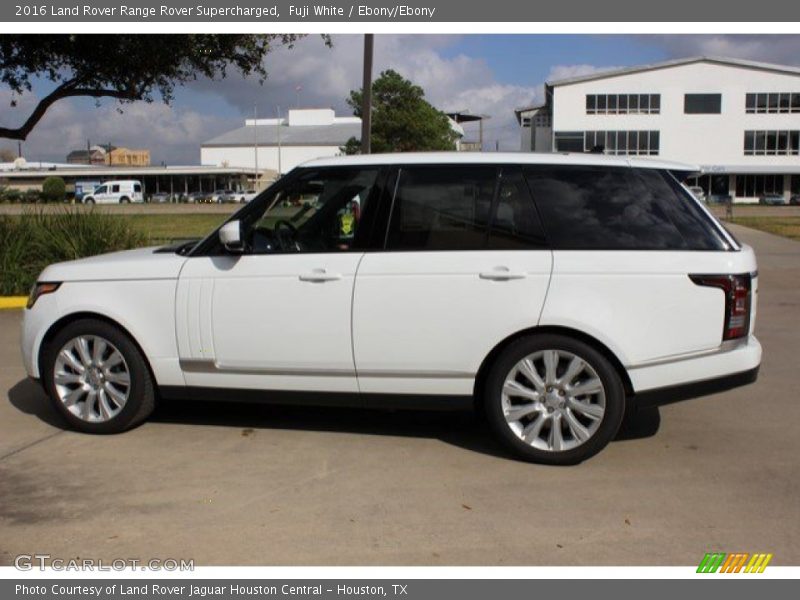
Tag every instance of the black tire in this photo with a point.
(142, 397)
(89, 201)
(613, 388)
(124, 200)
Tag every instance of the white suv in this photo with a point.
(552, 291)
(115, 192)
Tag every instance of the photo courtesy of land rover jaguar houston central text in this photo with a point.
(553, 292)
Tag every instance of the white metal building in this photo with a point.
(279, 145)
(738, 120)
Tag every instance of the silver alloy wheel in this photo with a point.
(553, 400)
(91, 378)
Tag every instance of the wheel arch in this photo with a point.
(592, 341)
(66, 320)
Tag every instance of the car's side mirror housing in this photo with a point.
(230, 235)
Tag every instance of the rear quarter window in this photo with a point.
(618, 208)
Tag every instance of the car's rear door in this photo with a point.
(464, 266)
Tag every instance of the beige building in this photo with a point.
(125, 157)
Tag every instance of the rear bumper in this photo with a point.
(697, 376)
(687, 391)
(730, 358)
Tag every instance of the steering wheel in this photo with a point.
(285, 243)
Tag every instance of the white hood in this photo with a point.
(141, 263)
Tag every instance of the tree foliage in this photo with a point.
(127, 67)
(402, 120)
(54, 189)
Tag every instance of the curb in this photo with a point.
(13, 302)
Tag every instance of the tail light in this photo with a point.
(738, 291)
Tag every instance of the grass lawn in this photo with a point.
(164, 228)
(786, 226)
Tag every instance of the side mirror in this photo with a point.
(230, 235)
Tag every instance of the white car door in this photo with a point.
(100, 194)
(278, 316)
(465, 267)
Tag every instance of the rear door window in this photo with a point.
(515, 222)
(617, 208)
(442, 208)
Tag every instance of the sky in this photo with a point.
(486, 74)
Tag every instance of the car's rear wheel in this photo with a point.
(124, 200)
(553, 399)
(89, 201)
(97, 378)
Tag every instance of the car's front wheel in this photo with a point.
(97, 378)
(553, 399)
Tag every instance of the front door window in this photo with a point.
(320, 211)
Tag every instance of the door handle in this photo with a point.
(319, 275)
(501, 274)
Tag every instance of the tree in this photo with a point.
(127, 67)
(402, 120)
(7, 155)
(54, 189)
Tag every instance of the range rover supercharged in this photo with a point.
(553, 292)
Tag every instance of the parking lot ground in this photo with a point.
(248, 484)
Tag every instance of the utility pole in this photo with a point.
(255, 146)
(278, 120)
(366, 95)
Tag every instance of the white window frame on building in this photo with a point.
(772, 102)
(644, 142)
(753, 186)
(772, 142)
(623, 104)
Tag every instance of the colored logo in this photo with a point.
(740, 562)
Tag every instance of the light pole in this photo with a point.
(255, 146)
(366, 95)
(278, 120)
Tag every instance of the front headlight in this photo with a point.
(40, 288)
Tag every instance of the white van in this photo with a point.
(116, 192)
(553, 292)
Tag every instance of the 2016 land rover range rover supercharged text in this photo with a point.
(554, 292)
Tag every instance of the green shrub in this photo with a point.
(35, 239)
(31, 196)
(54, 189)
(10, 195)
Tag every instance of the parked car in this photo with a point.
(246, 196)
(795, 199)
(115, 192)
(196, 197)
(160, 198)
(221, 196)
(555, 293)
(698, 193)
(772, 199)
